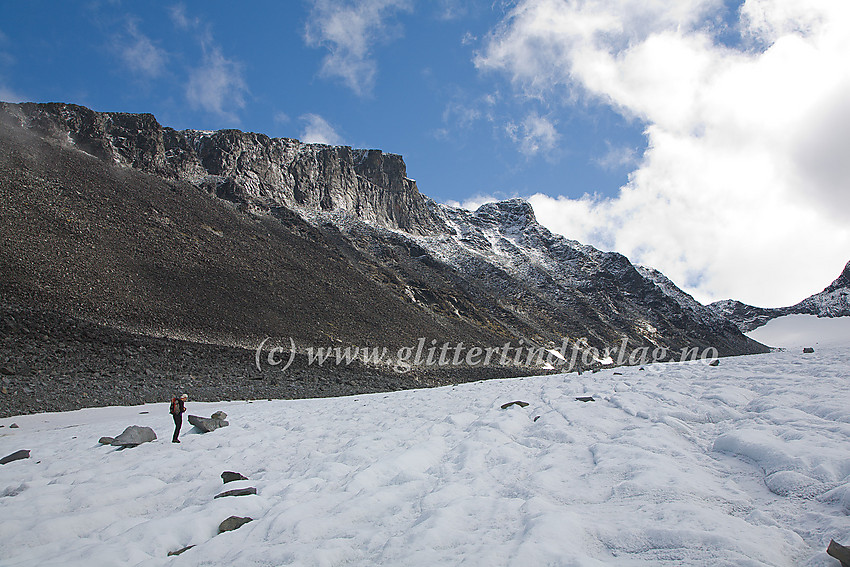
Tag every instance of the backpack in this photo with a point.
(175, 407)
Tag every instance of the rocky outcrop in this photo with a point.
(242, 167)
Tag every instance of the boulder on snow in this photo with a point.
(839, 552)
(236, 492)
(230, 476)
(219, 415)
(16, 456)
(519, 403)
(808, 350)
(585, 399)
(207, 424)
(715, 362)
(134, 435)
(232, 523)
(106, 440)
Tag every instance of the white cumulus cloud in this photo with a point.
(317, 130)
(139, 53)
(535, 134)
(742, 190)
(216, 85)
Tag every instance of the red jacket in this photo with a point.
(178, 406)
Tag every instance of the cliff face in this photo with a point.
(242, 167)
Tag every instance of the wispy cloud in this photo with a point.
(451, 9)
(180, 18)
(215, 85)
(141, 55)
(472, 203)
(7, 94)
(463, 112)
(317, 130)
(535, 134)
(742, 190)
(617, 157)
(349, 30)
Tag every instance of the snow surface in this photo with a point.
(792, 331)
(742, 464)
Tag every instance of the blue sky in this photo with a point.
(706, 138)
(415, 90)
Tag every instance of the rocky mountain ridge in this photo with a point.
(241, 167)
(833, 301)
(230, 236)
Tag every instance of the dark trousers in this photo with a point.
(178, 423)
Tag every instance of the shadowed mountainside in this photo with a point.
(230, 237)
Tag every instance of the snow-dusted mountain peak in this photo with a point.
(833, 301)
(512, 214)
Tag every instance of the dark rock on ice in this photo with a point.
(585, 399)
(230, 476)
(233, 523)
(808, 350)
(714, 362)
(106, 440)
(133, 436)
(207, 424)
(237, 492)
(16, 456)
(519, 403)
(181, 550)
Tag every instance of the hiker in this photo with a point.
(178, 406)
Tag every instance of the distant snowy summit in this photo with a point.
(834, 301)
